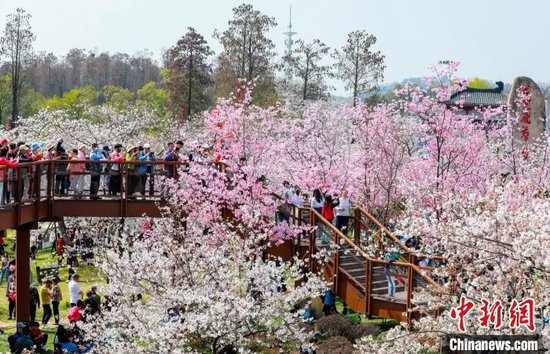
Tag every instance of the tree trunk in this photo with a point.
(356, 77)
(306, 77)
(14, 100)
(189, 81)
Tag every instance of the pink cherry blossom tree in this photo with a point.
(200, 270)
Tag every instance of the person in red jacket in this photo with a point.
(60, 248)
(328, 208)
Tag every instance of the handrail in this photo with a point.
(342, 236)
(395, 238)
(414, 267)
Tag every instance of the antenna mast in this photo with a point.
(289, 42)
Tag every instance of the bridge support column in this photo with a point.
(23, 268)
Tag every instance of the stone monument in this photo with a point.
(526, 107)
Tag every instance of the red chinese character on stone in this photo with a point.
(461, 311)
(491, 314)
(526, 119)
(522, 314)
(525, 133)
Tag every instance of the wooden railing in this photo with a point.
(384, 239)
(350, 267)
(325, 237)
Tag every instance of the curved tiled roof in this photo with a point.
(472, 97)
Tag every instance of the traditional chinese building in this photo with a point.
(471, 100)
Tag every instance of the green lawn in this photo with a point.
(89, 276)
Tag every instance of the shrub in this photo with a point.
(354, 332)
(333, 325)
(336, 345)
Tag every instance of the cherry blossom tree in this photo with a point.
(490, 222)
(203, 280)
(102, 124)
(317, 148)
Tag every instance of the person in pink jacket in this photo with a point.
(76, 170)
(74, 312)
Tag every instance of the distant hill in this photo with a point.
(340, 99)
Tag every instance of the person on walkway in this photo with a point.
(34, 299)
(96, 169)
(284, 208)
(4, 175)
(297, 198)
(170, 169)
(115, 182)
(57, 296)
(35, 155)
(76, 171)
(61, 178)
(343, 212)
(50, 154)
(317, 200)
(45, 298)
(24, 156)
(75, 293)
(131, 168)
(146, 170)
(327, 211)
(104, 183)
(389, 276)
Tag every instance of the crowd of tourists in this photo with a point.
(335, 208)
(68, 338)
(101, 163)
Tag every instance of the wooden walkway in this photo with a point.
(354, 263)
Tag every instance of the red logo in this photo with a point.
(461, 311)
(492, 314)
(522, 314)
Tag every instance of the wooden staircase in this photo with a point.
(357, 271)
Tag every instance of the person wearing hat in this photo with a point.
(133, 178)
(75, 293)
(146, 169)
(51, 154)
(46, 298)
(114, 178)
(21, 339)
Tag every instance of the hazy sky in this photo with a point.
(494, 39)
